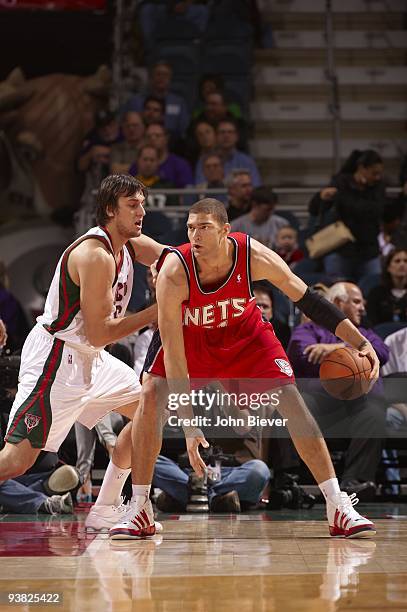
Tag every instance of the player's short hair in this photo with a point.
(111, 188)
(210, 206)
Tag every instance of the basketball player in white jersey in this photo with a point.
(66, 375)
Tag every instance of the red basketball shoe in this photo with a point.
(343, 519)
(136, 523)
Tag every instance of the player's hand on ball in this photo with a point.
(368, 351)
(193, 440)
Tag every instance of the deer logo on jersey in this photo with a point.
(31, 421)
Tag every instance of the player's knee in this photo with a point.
(13, 462)
(152, 397)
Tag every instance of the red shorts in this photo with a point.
(229, 353)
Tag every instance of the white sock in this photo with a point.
(112, 485)
(329, 488)
(140, 491)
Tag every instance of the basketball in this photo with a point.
(345, 374)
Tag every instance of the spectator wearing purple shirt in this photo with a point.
(173, 168)
(361, 420)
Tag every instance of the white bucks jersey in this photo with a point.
(62, 313)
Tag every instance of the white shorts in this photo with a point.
(59, 384)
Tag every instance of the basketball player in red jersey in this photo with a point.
(211, 328)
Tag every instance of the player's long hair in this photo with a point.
(111, 188)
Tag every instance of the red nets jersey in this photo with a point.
(225, 335)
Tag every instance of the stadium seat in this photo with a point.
(228, 29)
(312, 278)
(227, 58)
(177, 29)
(367, 282)
(183, 57)
(385, 329)
(306, 266)
(290, 216)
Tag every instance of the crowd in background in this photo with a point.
(158, 139)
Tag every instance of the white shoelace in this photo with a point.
(347, 502)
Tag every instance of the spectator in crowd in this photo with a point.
(286, 245)
(43, 489)
(12, 318)
(362, 420)
(396, 368)
(94, 165)
(97, 144)
(214, 83)
(356, 196)
(260, 222)
(122, 154)
(176, 112)
(148, 173)
(240, 189)
(242, 478)
(227, 137)
(388, 301)
(264, 300)
(153, 110)
(202, 142)
(173, 168)
(214, 176)
(216, 109)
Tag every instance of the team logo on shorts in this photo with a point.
(31, 420)
(284, 366)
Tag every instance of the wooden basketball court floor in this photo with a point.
(250, 563)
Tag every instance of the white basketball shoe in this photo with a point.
(343, 519)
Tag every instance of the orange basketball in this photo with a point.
(345, 374)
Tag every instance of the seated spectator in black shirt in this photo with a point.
(356, 196)
(214, 174)
(122, 154)
(388, 301)
(147, 173)
(264, 300)
(13, 321)
(153, 110)
(240, 189)
(203, 141)
(97, 144)
(211, 83)
(215, 110)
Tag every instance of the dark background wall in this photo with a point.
(43, 42)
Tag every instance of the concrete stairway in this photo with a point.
(292, 137)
